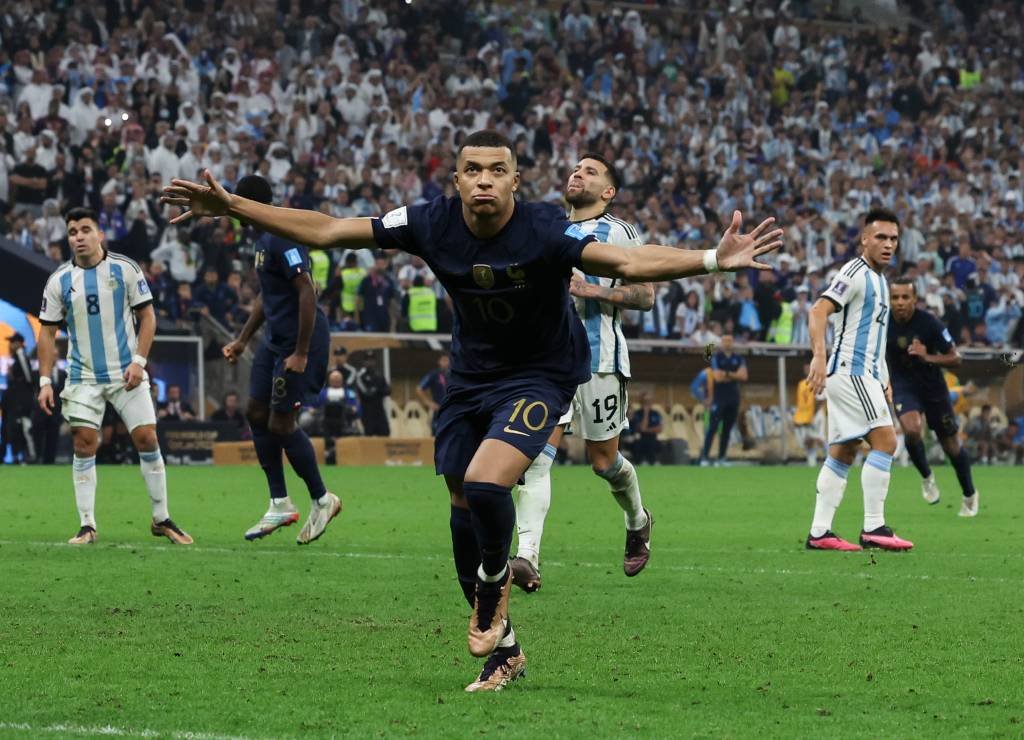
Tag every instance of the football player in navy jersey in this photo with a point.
(917, 348)
(518, 348)
(289, 369)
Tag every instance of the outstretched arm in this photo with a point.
(312, 228)
(639, 295)
(652, 262)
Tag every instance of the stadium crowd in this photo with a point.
(354, 108)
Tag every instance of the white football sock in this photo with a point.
(874, 479)
(283, 504)
(532, 503)
(621, 476)
(155, 475)
(491, 579)
(509, 639)
(831, 484)
(84, 476)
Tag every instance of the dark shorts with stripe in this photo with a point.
(937, 409)
(286, 391)
(521, 412)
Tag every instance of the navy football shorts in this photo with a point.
(286, 391)
(521, 412)
(937, 409)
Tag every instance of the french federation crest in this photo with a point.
(483, 276)
(902, 342)
(516, 273)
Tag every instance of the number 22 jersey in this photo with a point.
(861, 321)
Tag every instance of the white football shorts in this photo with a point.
(856, 405)
(602, 405)
(83, 405)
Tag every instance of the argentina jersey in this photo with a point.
(608, 352)
(861, 321)
(97, 303)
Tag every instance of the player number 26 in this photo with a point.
(495, 309)
(529, 414)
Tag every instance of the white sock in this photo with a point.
(84, 476)
(282, 504)
(322, 501)
(508, 640)
(532, 503)
(621, 476)
(155, 475)
(491, 579)
(831, 484)
(874, 479)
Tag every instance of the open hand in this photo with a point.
(737, 251)
(210, 199)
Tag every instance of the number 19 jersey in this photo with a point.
(860, 325)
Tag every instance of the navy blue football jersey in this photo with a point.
(907, 370)
(277, 262)
(513, 316)
(726, 392)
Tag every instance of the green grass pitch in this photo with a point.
(734, 630)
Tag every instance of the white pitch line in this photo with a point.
(558, 564)
(110, 730)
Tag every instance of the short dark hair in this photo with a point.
(488, 138)
(77, 214)
(255, 188)
(905, 280)
(613, 174)
(881, 214)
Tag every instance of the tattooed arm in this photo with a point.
(630, 295)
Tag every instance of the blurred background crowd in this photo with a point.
(354, 108)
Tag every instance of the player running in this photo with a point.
(100, 295)
(856, 381)
(601, 402)
(289, 369)
(519, 351)
(918, 347)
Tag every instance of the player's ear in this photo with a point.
(515, 181)
(609, 194)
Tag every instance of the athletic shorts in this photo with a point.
(286, 391)
(83, 405)
(601, 405)
(521, 412)
(938, 411)
(856, 405)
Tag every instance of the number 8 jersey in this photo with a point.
(98, 304)
(861, 321)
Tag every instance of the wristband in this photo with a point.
(45, 380)
(139, 360)
(710, 260)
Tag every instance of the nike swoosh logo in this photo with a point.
(513, 431)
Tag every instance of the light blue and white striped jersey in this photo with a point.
(608, 352)
(861, 322)
(97, 303)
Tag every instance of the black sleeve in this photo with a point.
(941, 337)
(404, 228)
(564, 241)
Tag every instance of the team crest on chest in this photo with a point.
(483, 276)
(259, 259)
(902, 342)
(516, 274)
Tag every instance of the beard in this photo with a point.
(581, 199)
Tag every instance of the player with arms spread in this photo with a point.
(100, 295)
(289, 369)
(856, 381)
(918, 347)
(519, 351)
(601, 402)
